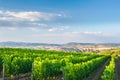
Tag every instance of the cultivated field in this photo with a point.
(26, 64)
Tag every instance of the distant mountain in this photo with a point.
(14, 44)
(93, 44)
(24, 44)
(81, 44)
(72, 46)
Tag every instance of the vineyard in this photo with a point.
(54, 65)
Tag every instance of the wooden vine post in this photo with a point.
(4, 69)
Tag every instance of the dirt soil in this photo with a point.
(117, 69)
(0, 75)
(97, 73)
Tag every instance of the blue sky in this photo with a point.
(60, 21)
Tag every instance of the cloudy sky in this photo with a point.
(60, 21)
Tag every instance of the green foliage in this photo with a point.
(1, 62)
(49, 64)
(109, 72)
(81, 70)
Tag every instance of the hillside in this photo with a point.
(72, 46)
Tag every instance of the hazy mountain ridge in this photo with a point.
(94, 44)
(17, 44)
(72, 46)
(11, 43)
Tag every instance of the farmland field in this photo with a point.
(56, 65)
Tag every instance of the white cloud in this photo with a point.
(93, 33)
(52, 29)
(64, 27)
(11, 28)
(34, 29)
(40, 24)
(66, 37)
(1, 33)
(27, 16)
(58, 28)
(33, 20)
